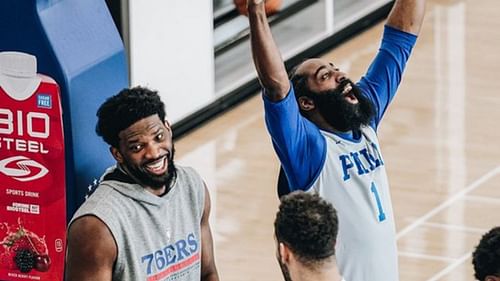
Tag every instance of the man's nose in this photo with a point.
(153, 151)
(339, 76)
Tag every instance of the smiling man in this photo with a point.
(148, 218)
(324, 129)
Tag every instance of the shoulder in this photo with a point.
(284, 103)
(91, 248)
(88, 226)
(87, 234)
(190, 189)
(190, 180)
(96, 200)
(188, 175)
(106, 205)
(186, 171)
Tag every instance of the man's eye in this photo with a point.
(160, 136)
(325, 76)
(136, 147)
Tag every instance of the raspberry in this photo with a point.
(37, 242)
(21, 244)
(7, 260)
(23, 250)
(25, 260)
(25, 239)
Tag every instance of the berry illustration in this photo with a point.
(42, 263)
(7, 260)
(25, 260)
(21, 243)
(23, 250)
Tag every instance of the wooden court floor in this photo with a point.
(439, 140)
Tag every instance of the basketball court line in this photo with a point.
(421, 220)
(451, 267)
(461, 228)
(482, 199)
(426, 257)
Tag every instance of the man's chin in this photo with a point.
(157, 182)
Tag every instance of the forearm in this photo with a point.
(407, 15)
(266, 56)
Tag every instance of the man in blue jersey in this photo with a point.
(323, 128)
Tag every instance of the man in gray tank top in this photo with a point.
(148, 218)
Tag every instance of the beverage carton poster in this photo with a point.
(32, 185)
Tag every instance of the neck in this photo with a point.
(326, 272)
(319, 121)
(156, 191)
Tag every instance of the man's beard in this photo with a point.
(341, 114)
(284, 269)
(141, 174)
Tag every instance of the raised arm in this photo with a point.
(407, 15)
(208, 269)
(91, 251)
(266, 56)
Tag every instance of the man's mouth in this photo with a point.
(347, 88)
(158, 166)
(349, 94)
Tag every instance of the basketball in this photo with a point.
(272, 6)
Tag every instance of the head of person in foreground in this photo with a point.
(306, 228)
(486, 256)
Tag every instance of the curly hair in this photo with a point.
(124, 109)
(486, 256)
(308, 225)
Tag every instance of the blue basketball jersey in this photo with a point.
(354, 180)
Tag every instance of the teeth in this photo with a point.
(157, 164)
(347, 89)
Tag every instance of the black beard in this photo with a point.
(155, 182)
(341, 114)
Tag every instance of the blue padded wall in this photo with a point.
(76, 43)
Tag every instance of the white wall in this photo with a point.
(171, 50)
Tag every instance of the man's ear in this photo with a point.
(306, 103)
(491, 278)
(284, 253)
(116, 154)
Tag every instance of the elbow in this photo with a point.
(276, 90)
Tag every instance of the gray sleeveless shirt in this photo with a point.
(158, 238)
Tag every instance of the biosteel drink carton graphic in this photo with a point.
(32, 173)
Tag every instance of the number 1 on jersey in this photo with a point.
(381, 214)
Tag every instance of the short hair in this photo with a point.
(124, 109)
(299, 83)
(308, 225)
(486, 256)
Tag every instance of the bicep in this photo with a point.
(91, 251)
